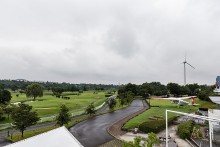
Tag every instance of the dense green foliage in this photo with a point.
(147, 90)
(8, 109)
(5, 97)
(152, 139)
(49, 105)
(22, 84)
(126, 97)
(64, 116)
(34, 90)
(126, 93)
(57, 90)
(153, 88)
(185, 129)
(155, 126)
(156, 112)
(204, 95)
(23, 117)
(90, 109)
(111, 103)
(1, 114)
(135, 143)
(152, 126)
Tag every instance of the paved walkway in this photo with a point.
(129, 136)
(172, 132)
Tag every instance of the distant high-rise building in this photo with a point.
(217, 84)
(218, 81)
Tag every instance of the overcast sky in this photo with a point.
(110, 41)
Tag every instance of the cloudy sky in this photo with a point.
(110, 41)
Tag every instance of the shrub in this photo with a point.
(80, 91)
(185, 129)
(108, 95)
(154, 125)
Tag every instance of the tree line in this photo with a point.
(127, 92)
(22, 84)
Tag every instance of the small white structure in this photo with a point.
(54, 138)
(215, 99)
(214, 126)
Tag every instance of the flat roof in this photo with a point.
(54, 138)
(215, 99)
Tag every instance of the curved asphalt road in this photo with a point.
(92, 132)
(4, 142)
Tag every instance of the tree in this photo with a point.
(8, 109)
(34, 90)
(204, 95)
(64, 116)
(152, 139)
(57, 90)
(14, 88)
(23, 117)
(126, 97)
(1, 113)
(2, 86)
(5, 97)
(193, 88)
(184, 129)
(111, 103)
(122, 101)
(174, 88)
(90, 109)
(185, 90)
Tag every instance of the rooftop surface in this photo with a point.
(54, 138)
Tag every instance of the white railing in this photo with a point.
(191, 115)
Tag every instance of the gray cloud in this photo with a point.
(109, 41)
(122, 40)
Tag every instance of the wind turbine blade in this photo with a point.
(190, 65)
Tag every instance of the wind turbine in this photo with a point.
(184, 64)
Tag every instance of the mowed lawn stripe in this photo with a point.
(158, 109)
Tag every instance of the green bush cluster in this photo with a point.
(185, 129)
(154, 125)
(108, 95)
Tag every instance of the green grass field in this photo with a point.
(49, 105)
(17, 136)
(160, 111)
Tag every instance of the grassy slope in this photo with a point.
(17, 136)
(160, 111)
(49, 105)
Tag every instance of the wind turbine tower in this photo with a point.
(184, 64)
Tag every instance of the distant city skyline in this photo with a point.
(110, 42)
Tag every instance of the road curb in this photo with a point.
(115, 129)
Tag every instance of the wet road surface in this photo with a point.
(4, 142)
(92, 132)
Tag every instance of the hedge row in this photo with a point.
(154, 125)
